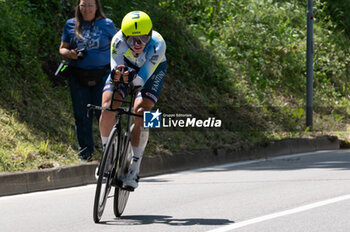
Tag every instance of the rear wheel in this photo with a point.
(121, 195)
(105, 177)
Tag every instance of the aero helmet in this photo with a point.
(137, 24)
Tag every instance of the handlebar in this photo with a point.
(120, 110)
(131, 76)
(133, 89)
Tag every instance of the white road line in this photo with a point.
(280, 214)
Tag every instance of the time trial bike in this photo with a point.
(116, 157)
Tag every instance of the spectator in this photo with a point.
(86, 41)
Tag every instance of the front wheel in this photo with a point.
(104, 182)
(121, 195)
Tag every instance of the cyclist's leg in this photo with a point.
(141, 104)
(139, 140)
(139, 136)
(107, 118)
(96, 97)
(145, 101)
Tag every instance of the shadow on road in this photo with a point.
(168, 220)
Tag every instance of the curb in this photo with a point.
(48, 179)
(77, 175)
(162, 164)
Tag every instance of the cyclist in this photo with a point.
(140, 48)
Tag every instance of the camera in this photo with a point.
(81, 53)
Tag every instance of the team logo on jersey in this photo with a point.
(154, 59)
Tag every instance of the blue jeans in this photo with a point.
(81, 96)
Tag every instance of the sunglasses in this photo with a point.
(140, 40)
(87, 6)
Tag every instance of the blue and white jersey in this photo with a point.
(96, 41)
(147, 61)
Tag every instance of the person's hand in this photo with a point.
(126, 77)
(118, 73)
(72, 54)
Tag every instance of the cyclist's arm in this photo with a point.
(117, 49)
(154, 57)
(117, 58)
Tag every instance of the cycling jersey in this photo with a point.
(146, 63)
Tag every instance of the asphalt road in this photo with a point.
(304, 192)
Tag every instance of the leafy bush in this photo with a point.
(339, 11)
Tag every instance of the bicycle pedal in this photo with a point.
(114, 182)
(106, 174)
(128, 188)
(117, 183)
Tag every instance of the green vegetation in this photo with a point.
(239, 61)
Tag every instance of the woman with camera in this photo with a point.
(86, 43)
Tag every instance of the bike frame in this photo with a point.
(118, 158)
(118, 126)
(120, 111)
